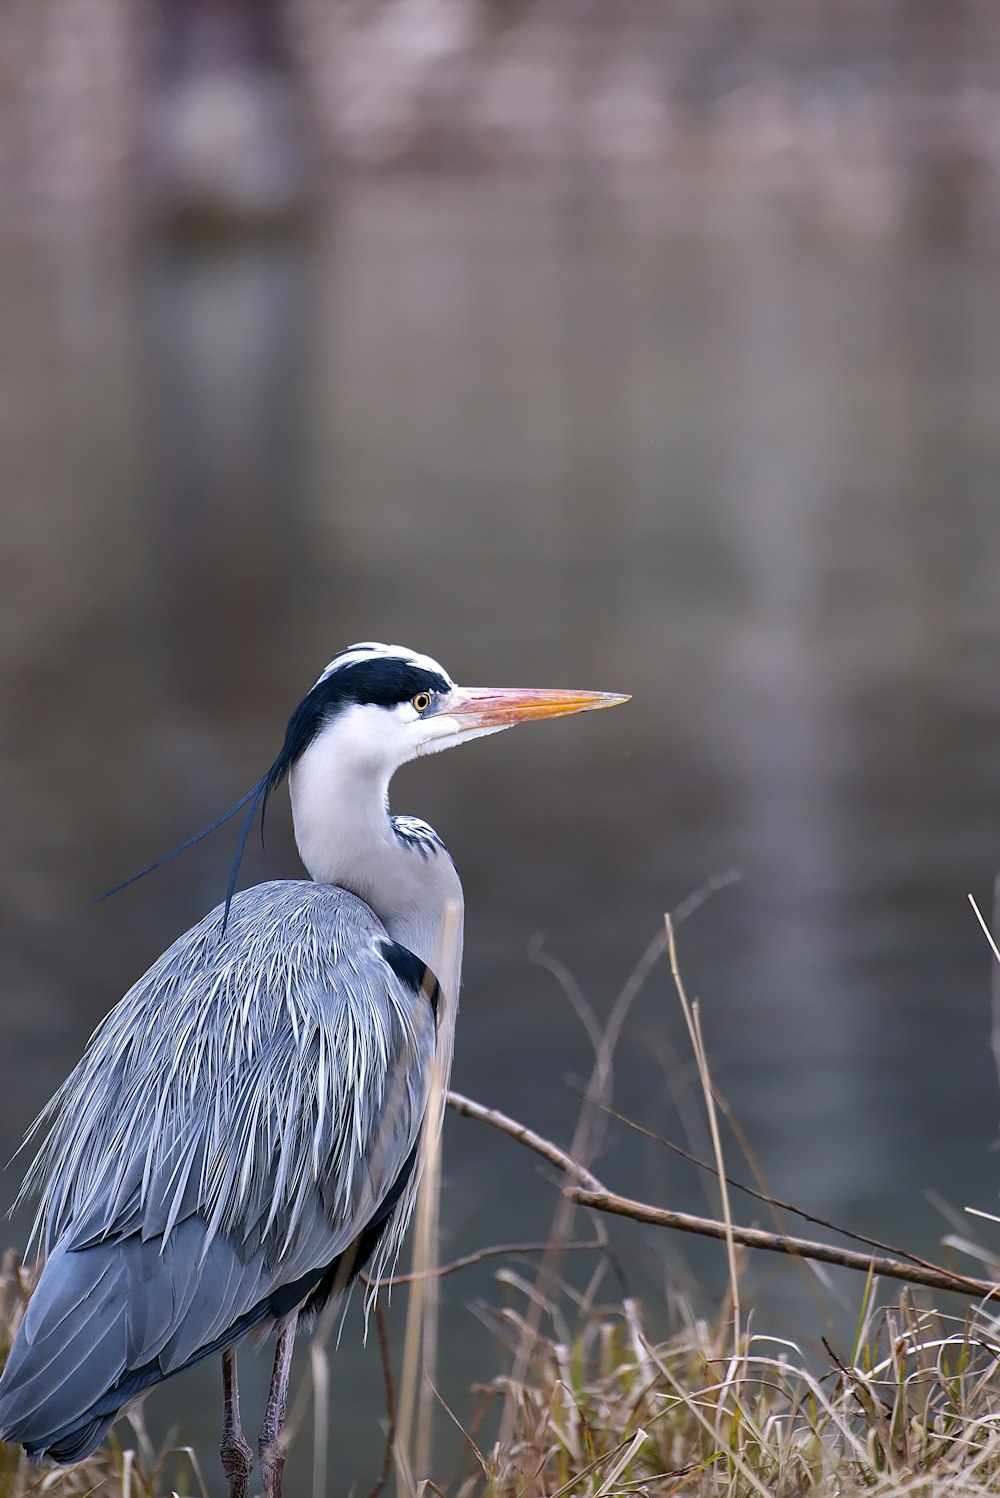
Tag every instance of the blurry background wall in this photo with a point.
(646, 347)
(856, 108)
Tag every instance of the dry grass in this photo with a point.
(915, 1410)
(608, 1411)
(605, 1408)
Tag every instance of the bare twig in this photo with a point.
(585, 1144)
(494, 1251)
(704, 892)
(319, 1364)
(598, 1198)
(707, 1227)
(390, 1401)
(994, 966)
(766, 1198)
(986, 930)
(420, 1342)
(526, 1136)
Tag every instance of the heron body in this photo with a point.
(241, 1135)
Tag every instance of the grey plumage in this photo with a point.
(241, 1135)
(237, 1122)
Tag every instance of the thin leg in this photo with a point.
(270, 1446)
(237, 1458)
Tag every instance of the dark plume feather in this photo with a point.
(302, 728)
(383, 681)
(251, 796)
(256, 798)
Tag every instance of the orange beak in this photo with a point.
(500, 707)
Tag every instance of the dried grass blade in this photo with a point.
(693, 1020)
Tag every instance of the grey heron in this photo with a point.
(241, 1134)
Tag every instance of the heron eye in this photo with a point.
(422, 701)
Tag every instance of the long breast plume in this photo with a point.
(250, 1081)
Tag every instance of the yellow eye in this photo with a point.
(422, 701)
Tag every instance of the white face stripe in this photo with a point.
(370, 650)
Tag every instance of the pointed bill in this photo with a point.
(501, 707)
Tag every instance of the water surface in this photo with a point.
(745, 472)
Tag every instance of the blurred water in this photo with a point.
(745, 472)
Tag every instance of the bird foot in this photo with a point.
(270, 1445)
(272, 1465)
(237, 1464)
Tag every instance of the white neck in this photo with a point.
(346, 837)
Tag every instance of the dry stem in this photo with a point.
(592, 1193)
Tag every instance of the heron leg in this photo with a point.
(270, 1445)
(237, 1457)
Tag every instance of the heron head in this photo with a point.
(373, 708)
(382, 705)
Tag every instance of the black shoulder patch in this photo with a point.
(410, 970)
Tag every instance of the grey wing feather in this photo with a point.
(234, 1125)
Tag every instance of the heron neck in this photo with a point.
(346, 837)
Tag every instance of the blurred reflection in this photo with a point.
(225, 331)
(745, 474)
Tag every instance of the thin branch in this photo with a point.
(526, 1136)
(586, 1141)
(763, 1196)
(704, 892)
(390, 1401)
(415, 1417)
(986, 930)
(594, 1195)
(825, 1253)
(495, 1251)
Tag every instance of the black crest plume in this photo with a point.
(255, 799)
(382, 682)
